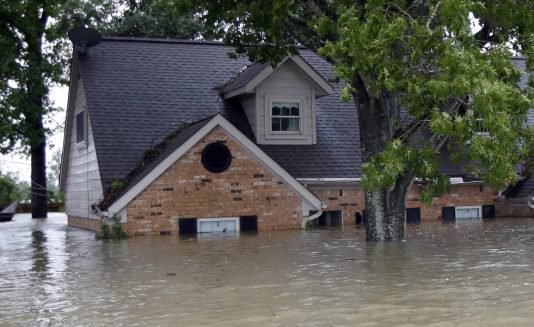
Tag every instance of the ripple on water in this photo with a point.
(442, 275)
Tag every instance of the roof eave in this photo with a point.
(323, 88)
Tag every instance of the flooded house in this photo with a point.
(177, 137)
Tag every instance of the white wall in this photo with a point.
(290, 83)
(83, 186)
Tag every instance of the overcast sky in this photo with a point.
(20, 164)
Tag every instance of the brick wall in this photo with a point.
(517, 207)
(459, 195)
(85, 223)
(348, 200)
(188, 190)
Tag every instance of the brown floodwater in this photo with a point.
(478, 273)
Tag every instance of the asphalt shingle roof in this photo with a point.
(139, 90)
(245, 76)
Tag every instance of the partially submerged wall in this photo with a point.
(188, 190)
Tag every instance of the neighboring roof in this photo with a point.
(522, 189)
(190, 136)
(139, 90)
(248, 79)
(521, 63)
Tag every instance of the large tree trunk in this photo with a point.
(38, 175)
(37, 92)
(384, 209)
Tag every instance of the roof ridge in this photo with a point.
(161, 40)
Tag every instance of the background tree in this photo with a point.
(10, 190)
(147, 18)
(421, 57)
(34, 56)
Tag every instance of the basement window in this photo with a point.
(80, 127)
(468, 212)
(218, 225)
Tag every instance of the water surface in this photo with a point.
(469, 274)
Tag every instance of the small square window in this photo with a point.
(80, 127)
(285, 116)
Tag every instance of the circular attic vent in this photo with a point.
(216, 157)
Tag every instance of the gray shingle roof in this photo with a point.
(245, 76)
(523, 189)
(139, 90)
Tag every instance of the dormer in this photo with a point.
(280, 102)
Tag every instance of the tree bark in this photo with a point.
(38, 175)
(37, 91)
(384, 208)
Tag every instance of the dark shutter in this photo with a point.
(448, 214)
(488, 211)
(80, 127)
(413, 215)
(187, 225)
(248, 224)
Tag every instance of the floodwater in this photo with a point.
(469, 274)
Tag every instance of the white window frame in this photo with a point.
(236, 219)
(82, 143)
(468, 207)
(300, 116)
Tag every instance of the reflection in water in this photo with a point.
(40, 256)
(444, 274)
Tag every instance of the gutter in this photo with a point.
(329, 181)
(310, 218)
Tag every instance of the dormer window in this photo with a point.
(286, 116)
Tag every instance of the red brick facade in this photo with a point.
(458, 195)
(248, 188)
(514, 208)
(85, 223)
(188, 190)
(348, 200)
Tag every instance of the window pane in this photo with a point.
(285, 124)
(285, 110)
(467, 213)
(276, 124)
(80, 127)
(293, 124)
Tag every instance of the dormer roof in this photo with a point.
(250, 77)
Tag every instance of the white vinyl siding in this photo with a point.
(83, 186)
(287, 83)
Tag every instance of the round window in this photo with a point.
(216, 157)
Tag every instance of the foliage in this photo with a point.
(117, 185)
(425, 54)
(146, 18)
(10, 190)
(116, 232)
(34, 55)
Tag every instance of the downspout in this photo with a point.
(310, 218)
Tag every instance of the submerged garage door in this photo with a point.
(218, 225)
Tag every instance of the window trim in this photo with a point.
(82, 143)
(300, 116)
(468, 207)
(235, 219)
